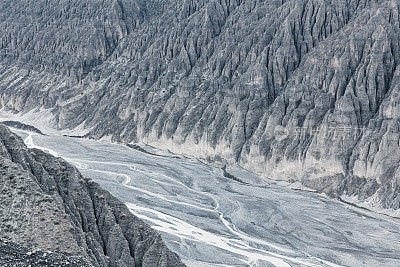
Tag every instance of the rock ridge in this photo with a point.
(47, 204)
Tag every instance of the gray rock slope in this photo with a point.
(46, 204)
(12, 254)
(217, 78)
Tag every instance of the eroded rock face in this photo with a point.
(47, 204)
(215, 79)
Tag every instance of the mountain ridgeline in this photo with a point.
(217, 78)
(50, 215)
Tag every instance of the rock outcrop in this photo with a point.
(47, 204)
(222, 79)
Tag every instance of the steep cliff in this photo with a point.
(47, 204)
(297, 90)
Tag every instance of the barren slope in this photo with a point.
(214, 79)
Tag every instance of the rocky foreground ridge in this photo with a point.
(51, 214)
(297, 90)
(13, 254)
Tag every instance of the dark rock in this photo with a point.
(23, 126)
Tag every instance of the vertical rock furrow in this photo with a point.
(216, 78)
